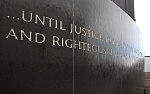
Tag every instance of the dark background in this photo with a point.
(127, 6)
(31, 68)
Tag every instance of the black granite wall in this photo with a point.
(68, 47)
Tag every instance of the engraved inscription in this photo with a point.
(71, 43)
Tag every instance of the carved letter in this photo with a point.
(83, 32)
(55, 23)
(94, 48)
(23, 18)
(55, 40)
(71, 31)
(38, 18)
(75, 27)
(75, 45)
(50, 21)
(66, 43)
(61, 27)
(13, 34)
(36, 37)
(23, 33)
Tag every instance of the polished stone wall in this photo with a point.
(68, 47)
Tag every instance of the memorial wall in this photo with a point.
(69, 47)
